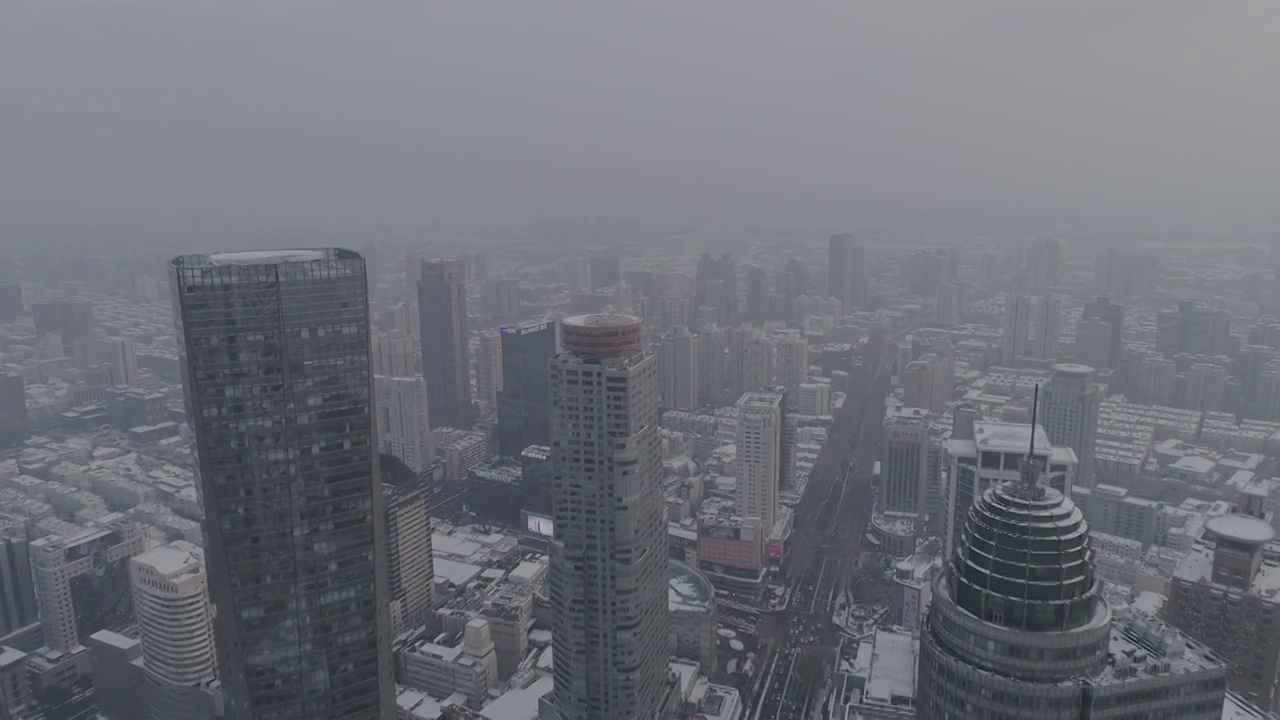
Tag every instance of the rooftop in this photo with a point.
(1241, 528)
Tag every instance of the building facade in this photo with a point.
(276, 371)
(524, 401)
(759, 457)
(608, 556)
(446, 361)
(404, 429)
(1069, 405)
(847, 272)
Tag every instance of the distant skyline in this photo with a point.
(324, 113)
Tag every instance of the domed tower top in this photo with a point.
(603, 335)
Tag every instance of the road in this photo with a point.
(830, 523)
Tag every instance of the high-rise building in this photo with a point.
(1125, 273)
(18, 609)
(11, 305)
(904, 463)
(489, 368)
(1092, 345)
(608, 580)
(1017, 327)
(815, 399)
(404, 428)
(758, 459)
(1206, 385)
(847, 272)
(1048, 326)
(171, 602)
(410, 564)
(118, 352)
(751, 361)
(82, 580)
(678, 355)
(502, 300)
(1155, 382)
(395, 354)
(792, 361)
(1018, 626)
(994, 455)
(275, 359)
(605, 271)
(1069, 412)
(928, 382)
(1112, 314)
(446, 365)
(950, 301)
(14, 423)
(757, 295)
(716, 286)
(524, 402)
(713, 364)
(1044, 262)
(71, 318)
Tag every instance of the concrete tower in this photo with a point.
(446, 362)
(1069, 412)
(608, 557)
(759, 456)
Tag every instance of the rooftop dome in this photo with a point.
(1024, 561)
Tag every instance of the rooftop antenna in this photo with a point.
(1029, 467)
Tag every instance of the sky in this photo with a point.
(316, 112)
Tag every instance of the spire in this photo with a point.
(1030, 473)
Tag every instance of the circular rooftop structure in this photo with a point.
(603, 335)
(687, 589)
(1243, 529)
(1024, 561)
(1073, 370)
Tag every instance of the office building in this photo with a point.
(904, 463)
(1113, 510)
(15, 687)
(1092, 345)
(118, 675)
(489, 368)
(1048, 326)
(119, 353)
(171, 602)
(1125, 273)
(1018, 627)
(1044, 262)
(609, 552)
(1222, 594)
(751, 361)
(928, 382)
(404, 429)
(1017, 327)
(791, 364)
(605, 271)
(11, 305)
(847, 272)
(678, 355)
(82, 580)
(1205, 388)
(467, 666)
(395, 354)
(502, 301)
(524, 402)
(14, 423)
(815, 399)
(446, 362)
(1156, 382)
(757, 295)
(18, 609)
(410, 564)
(993, 455)
(758, 459)
(716, 286)
(71, 318)
(287, 474)
(1103, 310)
(1069, 412)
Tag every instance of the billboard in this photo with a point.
(539, 525)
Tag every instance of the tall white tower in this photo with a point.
(608, 557)
(792, 365)
(1069, 411)
(489, 368)
(403, 427)
(759, 453)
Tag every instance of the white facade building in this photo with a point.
(759, 456)
(403, 426)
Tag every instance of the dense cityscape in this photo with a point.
(674, 477)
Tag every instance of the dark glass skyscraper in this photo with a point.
(276, 373)
(524, 402)
(446, 358)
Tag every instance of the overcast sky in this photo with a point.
(708, 111)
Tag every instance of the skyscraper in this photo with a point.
(847, 272)
(1048, 326)
(905, 461)
(446, 361)
(404, 428)
(14, 424)
(678, 369)
(18, 607)
(410, 565)
(1101, 308)
(792, 361)
(1069, 411)
(524, 402)
(1017, 325)
(716, 285)
(759, 456)
(489, 368)
(608, 555)
(1156, 382)
(276, 372)
(1018, 627)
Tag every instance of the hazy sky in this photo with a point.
(475, 111)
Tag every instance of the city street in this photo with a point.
(830, 523)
